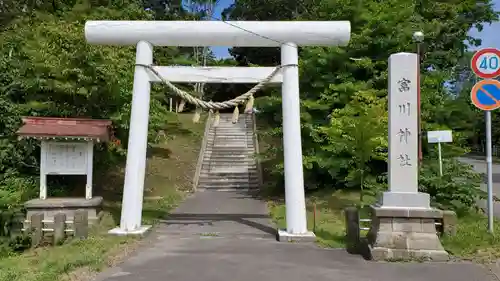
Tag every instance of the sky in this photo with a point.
(222, 52)
(487, 35)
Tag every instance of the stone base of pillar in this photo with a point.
(405, 234)
(414, 200)
(141, 231)
(283, 236)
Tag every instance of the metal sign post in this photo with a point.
(439, 137)
(489, 167)
(485, 95)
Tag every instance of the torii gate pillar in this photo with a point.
(285, 34)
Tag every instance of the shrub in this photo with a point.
(458, 189)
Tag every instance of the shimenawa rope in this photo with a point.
(248, 96)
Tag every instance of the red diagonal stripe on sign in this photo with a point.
(497, 102)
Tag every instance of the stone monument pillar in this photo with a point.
(403, 223)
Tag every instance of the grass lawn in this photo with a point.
(472, 241)
(170, 169)
(329, 223)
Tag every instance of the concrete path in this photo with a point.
(479, 166)
(225, 236)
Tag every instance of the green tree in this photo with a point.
(332, 78)
(47, 69)
(356, 133)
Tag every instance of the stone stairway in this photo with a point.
(229, 157)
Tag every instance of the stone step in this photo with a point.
(229, 137)
(249, 152)
(228, 185)
(213, 165)
(236, 131)
(235, 153)
(221, 165)
(229, 173)
(212, 159)
(223, 146)
(230, 149)
(229, 188)
(215, 177)
(215, 168)
(208, 159)
(219, 131)
(229, 142)
(231, 153)
(209, 175)
(240, 129)
(227, 160)
(233, 127)
(226, 142)
(229, 125)
(230, 133)
(227, 181)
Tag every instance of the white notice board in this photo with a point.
(439, 136)
(64, 158)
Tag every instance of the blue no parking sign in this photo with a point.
(485, 95)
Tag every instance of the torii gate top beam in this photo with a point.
(219, 33)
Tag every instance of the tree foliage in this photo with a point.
(47, 69)
(344, 89)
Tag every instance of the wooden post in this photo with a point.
(4, 220)
(352, 229)
(81, 224)
(90, 157)
(43, 174)
(36, 229)
(59, 227)
(16, 224)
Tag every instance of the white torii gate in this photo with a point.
(285, 34)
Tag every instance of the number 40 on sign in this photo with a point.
(486, 63)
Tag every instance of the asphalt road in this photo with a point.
(479, 166)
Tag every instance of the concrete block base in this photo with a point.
(67, 205)
(405, 234)
(140, 231)
(386, 254)
(408, 199)
(284, 236)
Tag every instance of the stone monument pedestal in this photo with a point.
(399, 233)
(51, 206)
